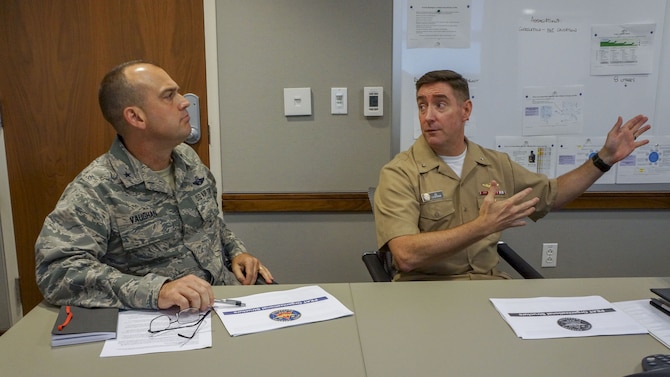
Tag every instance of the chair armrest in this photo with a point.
(375, 265)
(519, 264)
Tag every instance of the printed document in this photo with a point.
(133, 337)
(622, 49)
(438, 24)
(553, 110)
(565, 317)
(574, 151)
(535, 153)
(275, 310)
(657, 322)
(647, 164)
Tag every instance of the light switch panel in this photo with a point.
(338, 100)
(297, 101)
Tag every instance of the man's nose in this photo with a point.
(183, 102)
(429, 113)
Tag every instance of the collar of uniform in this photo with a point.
(476, 154)
(185, 161)
(474, 157)
(125, 165)
(426, 159)
(132, 171)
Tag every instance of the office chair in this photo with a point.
(380, 264)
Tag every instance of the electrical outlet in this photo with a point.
(549, 254)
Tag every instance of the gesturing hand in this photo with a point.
(622, 139)
(507, 213)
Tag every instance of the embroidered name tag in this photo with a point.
(429, 196)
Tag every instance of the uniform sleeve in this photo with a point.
(396, 208)
(232, 246)
(68, 255)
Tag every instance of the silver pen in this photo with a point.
(229, 302)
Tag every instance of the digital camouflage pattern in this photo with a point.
(119, 231)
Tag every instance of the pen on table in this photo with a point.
(229, 302)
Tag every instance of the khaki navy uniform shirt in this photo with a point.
(119, 232)
(418, 192)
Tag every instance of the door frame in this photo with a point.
(212, 76)
(8, 246)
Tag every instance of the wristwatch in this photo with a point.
(600, 164)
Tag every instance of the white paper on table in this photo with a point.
(133, 337)
(657, 322)
(275, 310)
(565, 317)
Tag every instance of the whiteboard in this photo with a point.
(504, 59)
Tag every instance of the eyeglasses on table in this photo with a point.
(186, 318)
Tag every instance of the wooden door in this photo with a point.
(53, 54)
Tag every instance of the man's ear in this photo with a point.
(467, 109)
(134, 116)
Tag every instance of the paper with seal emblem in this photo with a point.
(565, 317)
(275, 310)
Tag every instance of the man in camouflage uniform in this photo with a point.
(140, 226)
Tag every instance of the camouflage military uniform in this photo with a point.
(119, 232)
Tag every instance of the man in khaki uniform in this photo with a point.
(441, 206)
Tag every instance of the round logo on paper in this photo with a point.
(285, 315)
(574, 324)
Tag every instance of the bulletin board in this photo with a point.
(519, 48)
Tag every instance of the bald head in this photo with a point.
(121, 87)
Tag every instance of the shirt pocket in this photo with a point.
(147, 236)
(207, 209)
(435, 215)
(199, 210)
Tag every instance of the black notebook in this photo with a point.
(82, 325)
(664, 293)
(662, 304)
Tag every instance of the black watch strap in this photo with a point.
(600, 164)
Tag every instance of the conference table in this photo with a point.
(398, 329)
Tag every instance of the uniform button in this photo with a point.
(437, 214)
